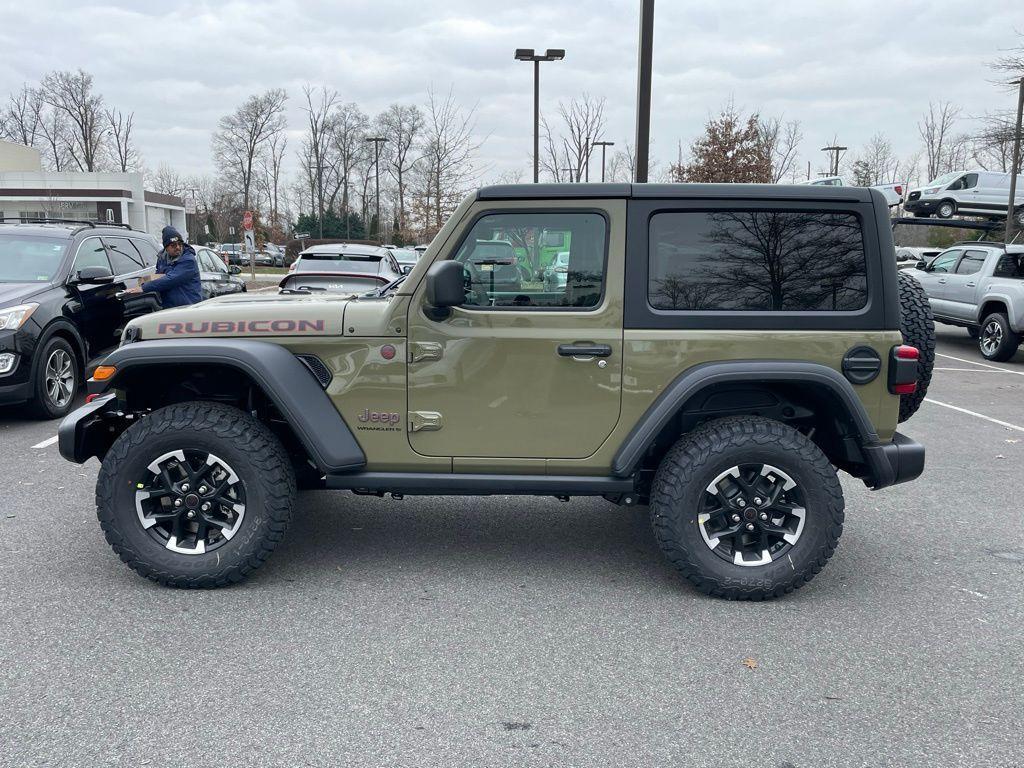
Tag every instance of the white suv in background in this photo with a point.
(971, 193)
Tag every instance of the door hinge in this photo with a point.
(424, 350)
(424, 421)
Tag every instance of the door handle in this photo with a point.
(970, 285)
(584, 350)
(942, 280)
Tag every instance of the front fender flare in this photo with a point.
(282, 377)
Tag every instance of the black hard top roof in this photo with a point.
(676, 191)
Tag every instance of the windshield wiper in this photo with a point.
(385, 288)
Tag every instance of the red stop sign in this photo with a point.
(247, 220)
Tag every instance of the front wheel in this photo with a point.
(195, 495)
(56, 380)
(946, 209)
(746, 508)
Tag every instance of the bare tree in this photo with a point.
(783, 143)
(402, 126)
(448, 160)
(566, 154)
(21, 117)
(167, 181)
(941, 147)
(317, 144)
(993, 144)
(243, 134)
(876, 163)
(271, 162)
(349, 142)
(71, 94)
(53, 130)
(125, 153)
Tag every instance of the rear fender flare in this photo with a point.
(690, 383)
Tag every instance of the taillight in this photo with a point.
(903, 369)
(899, 189)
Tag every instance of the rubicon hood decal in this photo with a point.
(270, 327)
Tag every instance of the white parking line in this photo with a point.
(46, 443)
(969, 370)
(983, 365)
(1006, 424)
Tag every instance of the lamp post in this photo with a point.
(377, 141)
(643, 91)
(1015, 161)
(528, 54)
(603, 145)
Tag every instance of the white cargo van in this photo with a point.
(968, 193)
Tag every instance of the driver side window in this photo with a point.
(534, 261)
(944, 261)
(91, 253)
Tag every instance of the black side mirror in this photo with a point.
(922, 265)
(445, 288)
(94, 275)
(234, 269)
(406, 269)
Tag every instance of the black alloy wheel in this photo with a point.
(751, 514)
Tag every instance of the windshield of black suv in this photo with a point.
(339, 262)
(25, 259)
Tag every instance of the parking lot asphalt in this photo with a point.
(529, 632)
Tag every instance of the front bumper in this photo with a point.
(921, 206)
(900, 461)
(90, 430)
(16, 384)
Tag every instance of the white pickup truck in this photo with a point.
(979, 286)
(893, 192)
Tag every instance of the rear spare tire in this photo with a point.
(918, 328)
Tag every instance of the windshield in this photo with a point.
(944, 179)
(337, 262)
(405, 256)
(30, 259)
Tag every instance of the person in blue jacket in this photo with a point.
(179, 282)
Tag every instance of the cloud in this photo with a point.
(845, 69)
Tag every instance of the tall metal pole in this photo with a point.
(603, 148)
(643, 90)
(536, 121)
(376, 182)
(1015, 163)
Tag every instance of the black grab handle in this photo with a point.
(584, 350)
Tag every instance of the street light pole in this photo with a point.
(834, 162)
(643, 90)
(603, 145)
(1015, 162)
(528, 54)
(377, 141)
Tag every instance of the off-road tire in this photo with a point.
(918, 328)
(697, 458)
(259, 460)
(1007, 346)
(41, 406)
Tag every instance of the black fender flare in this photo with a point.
(283, 378)
(691, 382)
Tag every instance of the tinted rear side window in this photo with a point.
(749, 261)
(1010, 265)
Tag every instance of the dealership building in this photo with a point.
(29, 192)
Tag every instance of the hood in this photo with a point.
(12, 294)
(265, 316)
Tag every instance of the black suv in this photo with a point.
(62, 304)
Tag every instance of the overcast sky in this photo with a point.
(848, 69)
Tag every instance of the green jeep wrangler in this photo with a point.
(717, 353)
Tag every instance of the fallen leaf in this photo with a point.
(1000, 456)
(750, 663)
(1013, 441)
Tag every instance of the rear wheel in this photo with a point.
(997, 341)
(946, 209)
(918, 329)
(195, 495)
(746, 508)
(56, 380)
